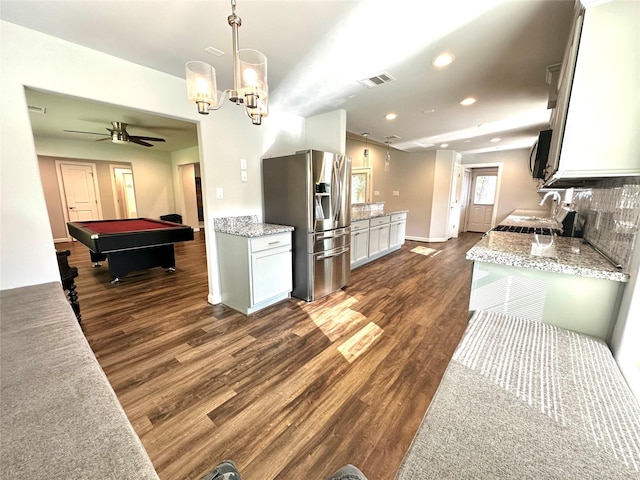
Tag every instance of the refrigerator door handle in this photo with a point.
(336, 193)
(335, 254)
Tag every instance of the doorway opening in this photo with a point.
(124, 193)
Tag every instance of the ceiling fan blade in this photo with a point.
(92, 133)
(151, 139)
(139, 142)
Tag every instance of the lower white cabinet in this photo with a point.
(359, 242)
(379, 235)
(254, 272)
(397, 230)
(375, 237)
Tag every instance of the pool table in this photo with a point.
(131, 244)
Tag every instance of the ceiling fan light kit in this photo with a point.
(249, 79)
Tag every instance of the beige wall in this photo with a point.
(425, 192)
(517, 189)
(410, 174)
(185, 167)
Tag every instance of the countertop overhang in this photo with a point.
(515, 249)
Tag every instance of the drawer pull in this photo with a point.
(274, 243)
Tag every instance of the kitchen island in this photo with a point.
(561, 281)
(255, 262)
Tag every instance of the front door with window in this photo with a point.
(483, 197)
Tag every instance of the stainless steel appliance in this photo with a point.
(311, 191)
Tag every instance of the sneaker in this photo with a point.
(227, 470)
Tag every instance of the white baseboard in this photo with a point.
(214, 300)
(427, 240)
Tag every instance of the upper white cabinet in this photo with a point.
(601, 111)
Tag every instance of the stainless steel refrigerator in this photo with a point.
(311, 191)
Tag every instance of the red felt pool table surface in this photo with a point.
(120, 226)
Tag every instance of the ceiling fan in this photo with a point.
(118, 134)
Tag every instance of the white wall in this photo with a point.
(326, 132)
(439, 229)
(43, 62)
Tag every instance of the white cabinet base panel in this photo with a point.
(582, 304)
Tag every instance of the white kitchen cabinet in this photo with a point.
(397, 230)
(359, 242)
(596, 123)
(379, 229)
(254, 272)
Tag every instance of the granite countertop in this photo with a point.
(369, 215)
(515, 249)
(248, 226)
(531, 218)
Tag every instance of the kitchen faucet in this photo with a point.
(556, 196)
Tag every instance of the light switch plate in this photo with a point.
(219, 192)
(396, 193)
(376, 193)
(243, 175)
(243, 165)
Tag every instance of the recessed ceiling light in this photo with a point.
(495, 140)
(429, 111)
(443, 60)
(467, 141)
(391, 116)
(444, 145)
(468, 101)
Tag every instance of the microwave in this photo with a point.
(540, 154)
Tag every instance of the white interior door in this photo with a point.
(79, 188)
(483, 196)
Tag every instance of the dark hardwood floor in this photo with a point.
(292, 392)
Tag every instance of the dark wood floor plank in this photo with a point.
(293, 391)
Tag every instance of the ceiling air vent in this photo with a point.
(34, 109)
(376, 80)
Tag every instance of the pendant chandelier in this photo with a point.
(250, 86)
(365, 154)
(387, 157)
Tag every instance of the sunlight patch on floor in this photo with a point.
(360, 342)
(426, 251)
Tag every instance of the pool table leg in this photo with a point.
(96, 258)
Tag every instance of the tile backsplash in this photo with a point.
(610, 212)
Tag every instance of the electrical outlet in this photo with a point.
(243, 165)
(219, 193)
(376, 193)
(396, 193)
(243, 175)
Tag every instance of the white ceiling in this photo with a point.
(318, 49)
